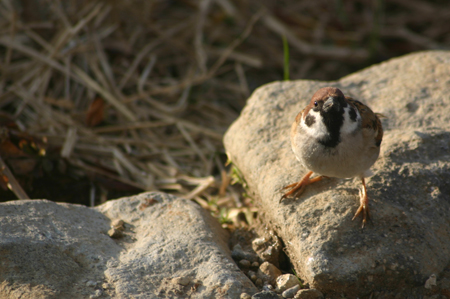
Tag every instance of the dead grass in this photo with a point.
(141, 92)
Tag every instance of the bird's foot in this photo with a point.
(298, 187)
(363, 205)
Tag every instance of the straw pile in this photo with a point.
(141, 92)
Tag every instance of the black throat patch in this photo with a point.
(333, 120)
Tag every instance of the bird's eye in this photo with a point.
(315, 103)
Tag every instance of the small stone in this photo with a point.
(290, 293)
(183, 280)
(252, 275)
(258, 243)
(255, 264)
(91, 283)
(244, 263)
(431, 281)
(115, 233)
(286, 281)
(118, 224)
(245, 296)
(259, 282)
(267, 254)
(96, 294)
(268, 272)
(308, 294)
(267, 287)
(239, 254)
(265, 295)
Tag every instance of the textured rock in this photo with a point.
(51, 250)
(173, 238)
(409, 193)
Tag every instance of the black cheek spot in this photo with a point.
(352, 114)
(378, 143)
(310, 120)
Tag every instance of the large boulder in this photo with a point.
(409, 237)
(162, 246)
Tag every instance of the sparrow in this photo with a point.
(336, 136)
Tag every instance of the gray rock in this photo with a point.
(266, 295)
(290, 293)
(51, 250)
(409, 193)
(308, 294)
(240, 254)
(173, 238)
(244, 264)
(245, 296)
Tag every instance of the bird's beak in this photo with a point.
(329, 103)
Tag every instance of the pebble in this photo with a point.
(252, 275)
(239, 254)
(268, 272)
(267, 287)
(308, 294)
(259, 282)
(255, 264)
(91, 283)
(258, 243)
(115, 233)
(286, 281)
(290, 293)
(245, 296)
(267, 254)
(431, 281)
(118, 224)
(244, 263)
(265, 295)
(96, 294)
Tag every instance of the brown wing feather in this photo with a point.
(369, 119)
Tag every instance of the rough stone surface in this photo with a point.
(173, 247)
(50, 250)
(409, 194)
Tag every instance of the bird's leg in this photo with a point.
(298, 187)
(363, 204)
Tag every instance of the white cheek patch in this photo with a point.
(317, 129)
(349, 125)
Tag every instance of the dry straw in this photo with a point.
(172, 76)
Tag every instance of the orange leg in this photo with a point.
(298, 187)
(364, 204)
